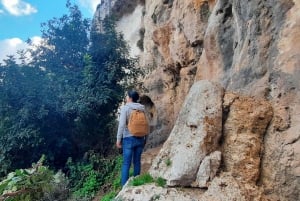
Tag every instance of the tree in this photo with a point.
(32, 116)
(20, 109)
(103, 88)
(64, 102)
(65, 42)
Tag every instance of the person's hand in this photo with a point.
(119, 144)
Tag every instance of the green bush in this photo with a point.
(113, 181)
(95, 174)
(84, 179)
(146, 179)
(89, 184)
(142, 179)
(29, 184)
(109, 196)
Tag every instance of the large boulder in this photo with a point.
(195, 135)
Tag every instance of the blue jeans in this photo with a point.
(132, 150)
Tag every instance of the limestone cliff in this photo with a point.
(251, 48)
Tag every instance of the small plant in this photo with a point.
(142, 179)
(160, 182)
(109, 196)
(87, 178)
(168, 162)
(114, 181)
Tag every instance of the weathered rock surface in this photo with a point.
(244, 128)
(173, 42)
(245, 121)
(251, 48)
(226, 188)
(151, 192)
(208, 169)
(195, 135)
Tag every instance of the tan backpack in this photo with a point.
(138, 124)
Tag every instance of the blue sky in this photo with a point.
(21, 19)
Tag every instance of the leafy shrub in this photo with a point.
(85, 180)
(29, 184)
(109, 196)
(142, 179)
(113, 181)
(97, 172)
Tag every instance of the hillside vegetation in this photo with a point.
(60, 99)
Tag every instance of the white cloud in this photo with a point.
(36, 40)
(12, 45)
(91, 5)
(18, 7)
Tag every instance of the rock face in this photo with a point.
(251, 48)
(208, 169)
(195, 135)
(173, 43)
(225, 188)
(192, 154)
(151, 192)
(244, 130)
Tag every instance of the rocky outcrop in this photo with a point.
(227, 188)
(244, 130)
(173, 43)
(246, 120)
(192, 154)
(251, 48)
(123, 11)
(195, 135)
(151, 192)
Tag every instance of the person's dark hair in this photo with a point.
(133, 95)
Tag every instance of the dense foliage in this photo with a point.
(63, 100)
(96, 172)
(36, 183)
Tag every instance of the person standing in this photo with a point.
(132, 146)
